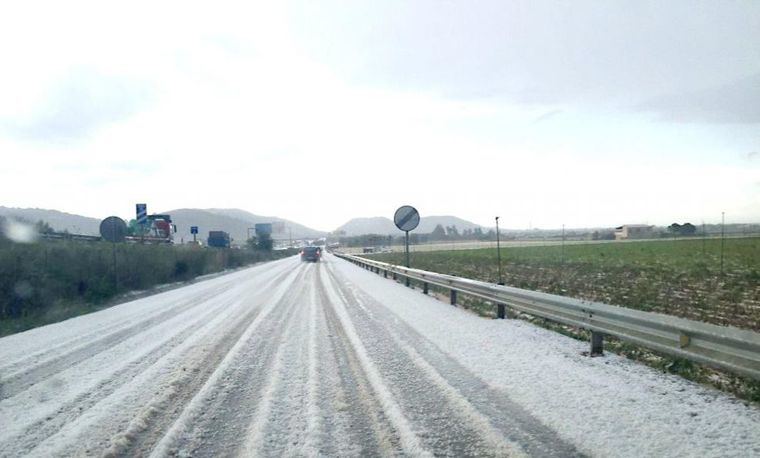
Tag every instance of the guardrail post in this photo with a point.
(597, 344)
(385, 273)
(394, 276)
(408, 282)
(424, 288)
(501, 309)
(453, 297)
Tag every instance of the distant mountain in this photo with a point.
(372, 225)
(383, 225)
(234, 221)
(59, 221)
(428, 223)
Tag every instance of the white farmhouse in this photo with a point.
(634, 231)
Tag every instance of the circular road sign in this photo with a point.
(406, 218)
(113, 229)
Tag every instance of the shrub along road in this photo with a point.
(50, 281)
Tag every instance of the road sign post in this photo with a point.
(406, 247)
(113, 229)
(141, 211)
(194, 231)
(406, 218)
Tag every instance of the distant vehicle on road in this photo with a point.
(311, 253)
(157, 229)
(218, 239)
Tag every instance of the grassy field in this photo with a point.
(680, 277)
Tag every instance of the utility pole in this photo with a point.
(501, 309)
(498, 251)
(704, 239)
(722, 238)
(563, 244)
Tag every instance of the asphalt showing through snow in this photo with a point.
(285, 358)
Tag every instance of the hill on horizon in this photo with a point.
(59, 221)
(233, 220)
(384, 226)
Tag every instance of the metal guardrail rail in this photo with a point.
(729, 348)
(67, 236)
(97, 238)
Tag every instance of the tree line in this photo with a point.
(439, 234)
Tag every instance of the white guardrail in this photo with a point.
(729, 348)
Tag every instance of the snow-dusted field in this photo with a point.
(329, 359)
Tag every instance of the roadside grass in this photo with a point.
(51, 281)
(681, 278)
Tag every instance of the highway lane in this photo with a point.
(282, 358)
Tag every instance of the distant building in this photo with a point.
(634, 231)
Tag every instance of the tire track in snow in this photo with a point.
(279, 418)
(69, 411)
(447, 422)
(148, 366)
(18, 382)
(54, 340)
(211, 422)
(62, 346)
(311, 443)
(149, 426)
(357, 422)
(409, 440)
(288, 360)
(488, 404)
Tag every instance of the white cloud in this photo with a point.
(241, 113)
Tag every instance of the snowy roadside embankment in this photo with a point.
(605, 406)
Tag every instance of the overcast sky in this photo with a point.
(545, 113)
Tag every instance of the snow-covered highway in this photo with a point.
(328, 359)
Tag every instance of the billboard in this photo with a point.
(264, 228)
